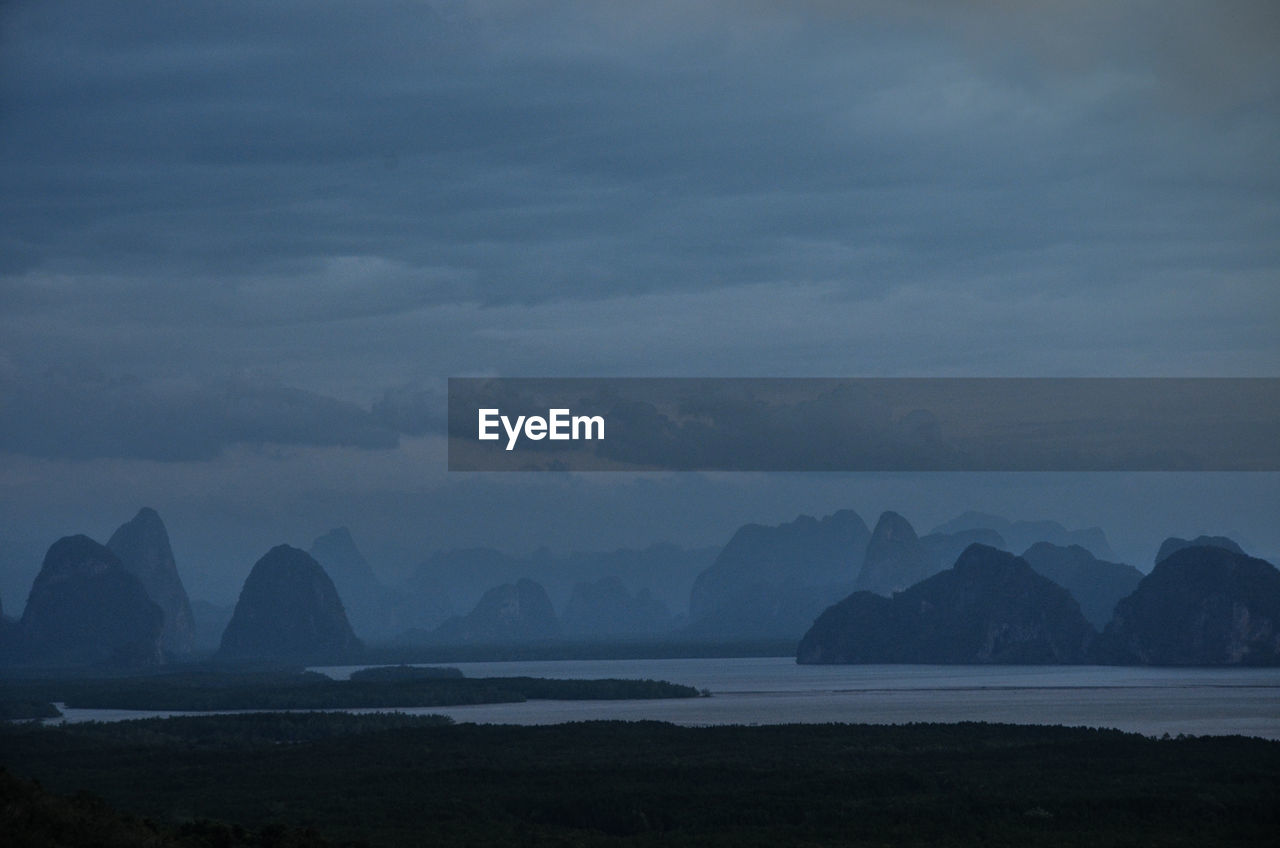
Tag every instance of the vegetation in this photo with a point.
(199, 692)
(11, 710)
(385, 673)
(31, 817)
(399, 780)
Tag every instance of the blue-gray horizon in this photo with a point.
(244, 246)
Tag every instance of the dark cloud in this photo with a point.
(484, 153)
(355, 197)
(87, 415)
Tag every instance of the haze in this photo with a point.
(243, 246)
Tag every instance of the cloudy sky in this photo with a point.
(243, 244)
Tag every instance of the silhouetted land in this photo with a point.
(396, 780)
(313, 691)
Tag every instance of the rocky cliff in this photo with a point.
(507, 614)
(143, 547)
(991, 607)
(288, 609)
(86, 608)
(1198, 606)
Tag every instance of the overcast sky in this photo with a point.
(243, 244)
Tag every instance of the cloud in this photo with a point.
(487, 153)
(87, 415)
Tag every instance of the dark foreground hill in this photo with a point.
(33, 817)
(288, 609)
(1199, 606)
(991, 607)
(407, 781)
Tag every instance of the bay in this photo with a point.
(774, 690)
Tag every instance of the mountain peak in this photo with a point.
(142, 544)
(290, 609)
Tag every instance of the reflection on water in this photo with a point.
(774, 690)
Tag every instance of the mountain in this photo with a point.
(211, 620)
(369, 604)
(8, 638)
(1020, 535)
(86, 608)
(895, 557)
(462, 576)
(143, 547)
(991, 607)
(1096, 585)
(605, 608)
(1173, 544)
(770, 582)
(506, 614)
(945, 548)
(289, 609)
(1199, 606)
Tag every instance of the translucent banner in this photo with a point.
(864, 424)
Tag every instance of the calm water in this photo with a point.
(774, 690)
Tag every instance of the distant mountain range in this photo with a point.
(990, 607)
(1202, 605)
(846, 593)
(772, 581)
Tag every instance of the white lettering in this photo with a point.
(559, 425)
(559, 419)
(587, 422)
(513, 433)
(487, 422)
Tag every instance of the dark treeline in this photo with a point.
(396, 780)
(313, 691)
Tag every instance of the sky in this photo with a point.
(242, 245)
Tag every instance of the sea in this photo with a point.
(775, 690)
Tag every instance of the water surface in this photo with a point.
(774, 690)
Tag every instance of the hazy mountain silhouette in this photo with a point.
(605, 609)
(370, 605)
(8, 638)
(1020, 535)
(1096, 585)
(1173, 544)
(1203, 605)
(86, 608)
(772, 581)
(289, 609)
(991, 607)
(895, 557)
(945, 548)
(143, 547)
(666, 571)
(510, 613)
(211, 620)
